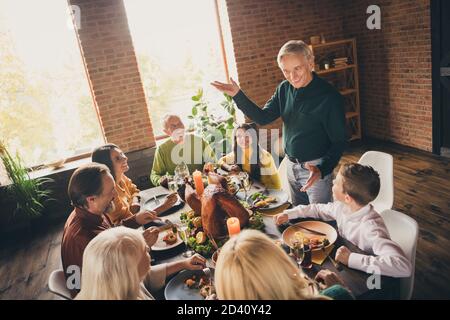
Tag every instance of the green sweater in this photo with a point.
(338, 292)
(164, 163)
(313, 120)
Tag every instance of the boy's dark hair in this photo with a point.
(362, 183)
(86, 181)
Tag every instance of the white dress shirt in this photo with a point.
(365, 228)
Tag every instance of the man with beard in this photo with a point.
(92, 191)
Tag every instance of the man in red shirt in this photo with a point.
(92, 191)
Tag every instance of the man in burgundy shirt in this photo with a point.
(91, 191)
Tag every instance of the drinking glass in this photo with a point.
(245, 182)
(182, 171)
(307, 255)
(173, 185)
(184, 230)
(210, 167)
(297, 251)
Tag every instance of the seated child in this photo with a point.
(354, 188)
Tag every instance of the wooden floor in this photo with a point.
(25, 267)
(422, 190)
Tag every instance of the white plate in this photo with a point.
(176, 289)
(281, 196)
(160, 245)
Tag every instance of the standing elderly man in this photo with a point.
(180, 147)
(313, 122)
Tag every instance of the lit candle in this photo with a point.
(198, 182)
(234, 227)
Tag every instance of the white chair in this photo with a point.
(57, 284)
(282, 172)
(383, 163)
(404, 230)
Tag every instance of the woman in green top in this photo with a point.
(249, 156)
(313, 117)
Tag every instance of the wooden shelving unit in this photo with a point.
(344, 77)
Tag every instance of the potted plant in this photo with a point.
(26, 196)
(217, 132)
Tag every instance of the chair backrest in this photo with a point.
(383, 163)
(57, 284)
(282, 172)
(404, 230)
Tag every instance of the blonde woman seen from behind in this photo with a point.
(116, 266)
(252, 267)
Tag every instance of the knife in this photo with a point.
(311, 230)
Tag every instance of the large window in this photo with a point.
(46, 107)
(178, 47)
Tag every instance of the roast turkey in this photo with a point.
(215, 206)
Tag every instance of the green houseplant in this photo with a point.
(29, 195)
(217, 132)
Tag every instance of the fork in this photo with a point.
(214, 243)
(167, 225)
(156, 200)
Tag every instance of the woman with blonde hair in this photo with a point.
(252, 267)
(116, 266)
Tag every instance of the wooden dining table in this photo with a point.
(359, 282)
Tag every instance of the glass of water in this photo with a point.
(173, 185)
(297, 251)
(182, 171)
(245, 182)
(184, 230)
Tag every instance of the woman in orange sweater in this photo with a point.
(127, 201)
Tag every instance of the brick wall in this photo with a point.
(260, 27)
(113, 72)
(394, 62)
(394, 69)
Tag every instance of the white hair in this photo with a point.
(110, 268)
(295, 47)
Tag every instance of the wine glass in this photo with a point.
(182, 171)
(245, 182)
(173, 185)
(297, 251)
(209, 167)
(184, 230)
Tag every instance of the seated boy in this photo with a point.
(354, 188)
